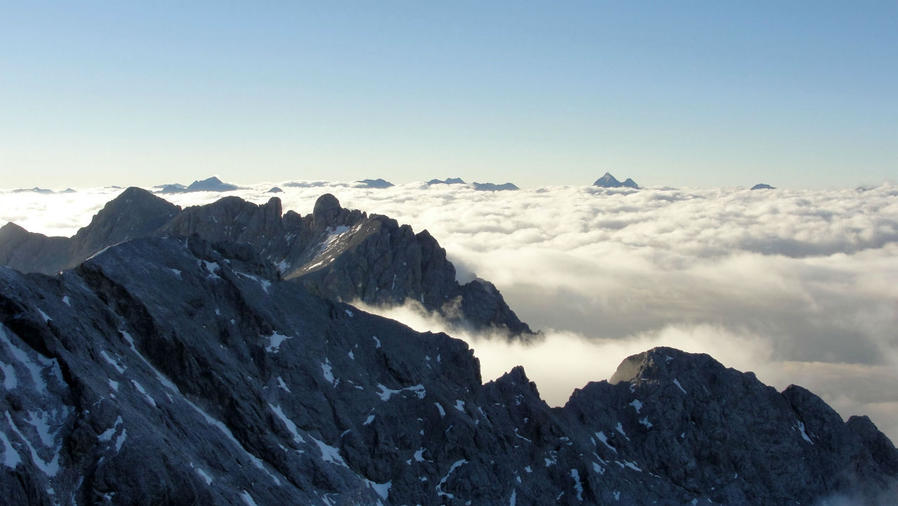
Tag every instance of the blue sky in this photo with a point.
(799, 94)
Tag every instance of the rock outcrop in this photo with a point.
(182, 371)
(342, 254)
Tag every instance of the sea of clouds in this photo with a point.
(800, 286)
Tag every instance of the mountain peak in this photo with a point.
(211, 184)
(325, 206)
(450, 180)
(658, 363)
(135, 200)
(304, 249)
(276, 207)
(133, 213)
(11, 229)
(495, 187)
(134, 194)
(607, 181)
(378, 183)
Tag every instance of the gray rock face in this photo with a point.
(337, 253)
(609, 181)
(179, 371)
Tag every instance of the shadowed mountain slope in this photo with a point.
(180, 371)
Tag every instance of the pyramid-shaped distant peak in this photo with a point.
(211, 184)
(607, 181)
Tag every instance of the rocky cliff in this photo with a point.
(342, 254)
(184, 371)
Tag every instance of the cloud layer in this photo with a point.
(799, 286)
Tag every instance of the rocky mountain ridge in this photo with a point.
(609, 181)
(494, 187)
(185, 371)
(211, 184)
(338, 253)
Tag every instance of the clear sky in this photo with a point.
(669, 93)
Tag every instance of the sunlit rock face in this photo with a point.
(178, 370)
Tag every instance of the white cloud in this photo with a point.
(561, 361)
(799, 286)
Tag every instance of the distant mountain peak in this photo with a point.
(374, 183)
(36, 189)
(341, 254)
(609, 181)
(493, 187)
(763, 186)
(213, 184)
(451, 180)
(657, 363)
(11, 228)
